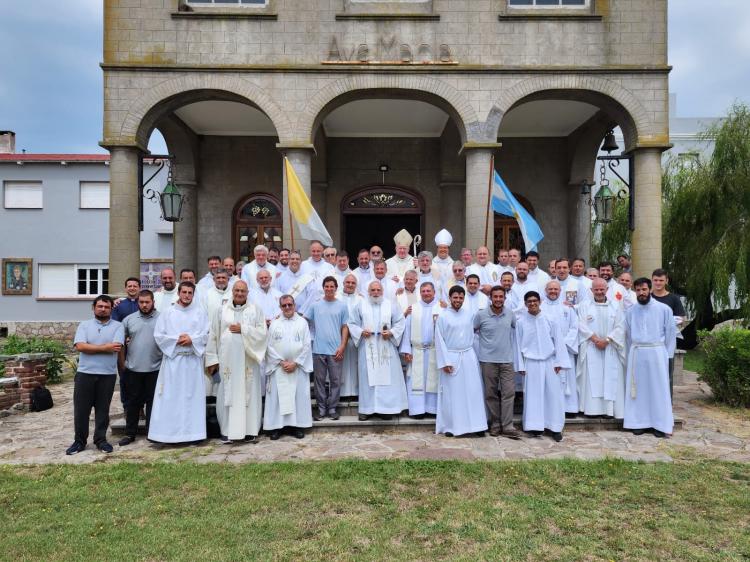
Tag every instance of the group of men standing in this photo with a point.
(425, 334)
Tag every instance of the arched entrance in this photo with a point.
(256, 220)
(373, 215)
(507, 231)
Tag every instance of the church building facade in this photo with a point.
(390, 111)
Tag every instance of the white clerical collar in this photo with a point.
(426, 304)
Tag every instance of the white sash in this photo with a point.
(377, 349)
(299, 286)
(418, 353)
(232, 353)
(633, 348)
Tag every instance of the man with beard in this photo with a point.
(513, 301)
(218, 294)
(349, 373)
(236, 348)
(650, 332)
(660, 278)
(181, 332)
(228, 265)
(615, 292)
(601, 356)
(418, 349)
(540, 356)
(167, 295)
(141, 360)
(376, 326)
(567, 319)
(273, 256)
(523, 283)
(288, 363)
(283, 264)
(460, 408)
(98, 341)
(207, 281)
(363, 273)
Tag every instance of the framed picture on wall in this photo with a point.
(17, 276)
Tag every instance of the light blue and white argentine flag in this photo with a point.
(504, 203)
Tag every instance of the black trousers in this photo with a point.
(92, 391)
(124, 389)
(141, 388)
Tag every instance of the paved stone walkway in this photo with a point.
(708, 432)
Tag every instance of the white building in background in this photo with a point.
(55, 212)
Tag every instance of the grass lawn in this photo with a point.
(694, 360)
(388, 510)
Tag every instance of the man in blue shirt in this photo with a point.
(330, 333)
(124, 308)
(98, 340)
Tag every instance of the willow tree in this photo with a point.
(706, 229)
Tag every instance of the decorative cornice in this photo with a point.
(223, 16)
(549, 17)
(388, 17)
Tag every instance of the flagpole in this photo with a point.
(289, 205)
(489, 199)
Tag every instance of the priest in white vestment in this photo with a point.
(179, 410)
(319, 269)
(342, 268)
(376, 326)
(442, 260)
(566, 317)
(601, 359)
(418, 349)
(288, 365)
(573, 291)
(207, 281)
(626, 280)
(474, 299)
(536, 274)
(212, 299)
(250, 271)
(402, 262)
(651, 338)
(390, 287)
(266, 297)
(427, 271)
(408, 295)
(460, 407)
(541, 355)
(294, 281)
(236, 348)
(349, 372)
(167, 295)
(363, 272)
(457, 277)
(487, 271)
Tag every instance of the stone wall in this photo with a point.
(23, 373)
(58, 331)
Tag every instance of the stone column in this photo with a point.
(646, 248)
(478, 158)
(186, 231)
(579, 233)
(300, 157)
(124, 237)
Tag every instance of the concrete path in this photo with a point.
(708, 432)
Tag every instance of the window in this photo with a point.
(73, 280)
(23, 194)
(227, 2)
(548, 3)
(94, 195)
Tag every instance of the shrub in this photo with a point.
(16, 344)
(726, 368)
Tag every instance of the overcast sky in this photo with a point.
(51, 83)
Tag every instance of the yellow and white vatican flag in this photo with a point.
(310, 225)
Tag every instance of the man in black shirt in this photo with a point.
(659, 281)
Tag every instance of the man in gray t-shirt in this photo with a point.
(98, 340)
(140, 362)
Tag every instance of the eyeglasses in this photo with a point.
(329, 255)
(287, 305)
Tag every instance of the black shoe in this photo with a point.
(570, 415)
(334, 415)
(318, 417)
(364, 417)
(275, 434)
(639, 431)
(659, 434)
(385, 416)
(298, 433)
(418, 417)
(76, 447)
(104, 447)
(252, 439)
(448, 434)
(225, 440)
(533, 434)
(557, 436)
(127, 440)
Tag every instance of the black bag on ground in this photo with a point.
(41, 399)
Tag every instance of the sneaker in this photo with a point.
(334, 415)
(225, 440)
(557, 436)
(512, 434)
(127, 440)
(76, 447)
(495, 432)
(275, 435)
(364, 417)
(104, 447)
(298, 433)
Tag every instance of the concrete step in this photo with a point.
(403, 423)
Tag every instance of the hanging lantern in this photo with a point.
(604, 203)
(171, 200)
